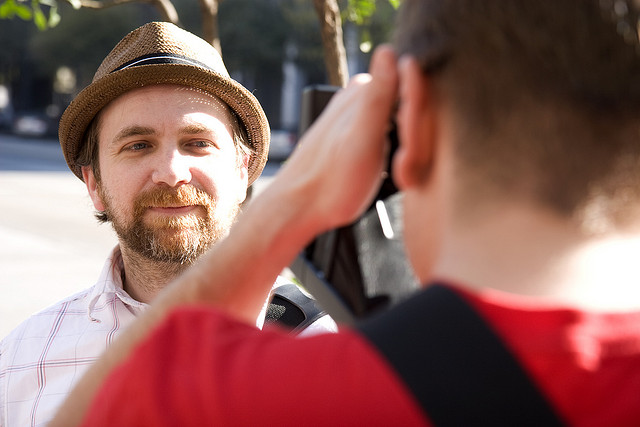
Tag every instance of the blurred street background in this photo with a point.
(51, 246)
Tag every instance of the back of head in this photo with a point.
(546, 95)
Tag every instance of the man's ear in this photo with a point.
(416, 126)
(92, 188)
(243, 170)
(244, 165)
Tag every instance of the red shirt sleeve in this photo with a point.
(203, 368)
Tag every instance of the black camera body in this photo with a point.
(361, 268)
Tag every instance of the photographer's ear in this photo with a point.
(416, 127)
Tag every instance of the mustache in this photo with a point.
(185, 195)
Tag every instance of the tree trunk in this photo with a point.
(335, 56)
(210, 31)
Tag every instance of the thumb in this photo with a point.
(384, 76)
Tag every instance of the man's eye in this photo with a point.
(201, 144)
(137, 146)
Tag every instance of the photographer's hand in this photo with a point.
(338, 165)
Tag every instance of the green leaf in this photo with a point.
(359, 11)
(6, 9)
(22, 11)
(38, 16)
(395, 3)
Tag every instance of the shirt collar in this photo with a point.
(110, 284)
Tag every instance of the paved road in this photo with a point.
(50, 244)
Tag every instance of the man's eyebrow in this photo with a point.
(133, 131)
(193, 129)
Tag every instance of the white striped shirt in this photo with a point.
(41, 360)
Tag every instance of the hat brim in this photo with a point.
(97, 95)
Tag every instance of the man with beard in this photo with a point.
(167, 145)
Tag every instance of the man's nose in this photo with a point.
(172, 168)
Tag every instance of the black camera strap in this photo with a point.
(455, 365)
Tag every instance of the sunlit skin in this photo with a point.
(166, 155)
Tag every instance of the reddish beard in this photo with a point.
(167, 238)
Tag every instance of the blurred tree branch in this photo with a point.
(165, 7)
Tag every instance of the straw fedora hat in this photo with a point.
(162, 53)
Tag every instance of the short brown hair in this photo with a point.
(546, 93)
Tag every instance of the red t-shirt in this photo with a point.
(203, 368)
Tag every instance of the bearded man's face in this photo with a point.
(171, 179)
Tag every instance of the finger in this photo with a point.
(384, 75)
